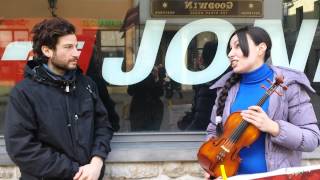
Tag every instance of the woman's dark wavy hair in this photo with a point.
(47, 33)
(258, 35)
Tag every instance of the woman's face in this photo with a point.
(239, 62)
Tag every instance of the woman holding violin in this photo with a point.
(285, 121)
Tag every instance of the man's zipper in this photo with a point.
(70, 124)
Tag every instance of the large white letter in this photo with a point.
(176, 54)
(279, 51)
(303, 45)
(111, 69)
(17, 50)
(317, 75)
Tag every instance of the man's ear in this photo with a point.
(47, 51)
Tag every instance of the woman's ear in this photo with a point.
(262, 48)
(47, 51)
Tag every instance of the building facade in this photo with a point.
(119, 29)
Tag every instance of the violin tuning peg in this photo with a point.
(264, 87)
(269, 81)
(284, 87)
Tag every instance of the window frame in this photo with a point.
(153, 147)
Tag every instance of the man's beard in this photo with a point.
(61, 65)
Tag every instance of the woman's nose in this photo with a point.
(230, 54)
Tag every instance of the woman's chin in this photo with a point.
(236, 70)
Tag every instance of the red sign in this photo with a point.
(11, 71)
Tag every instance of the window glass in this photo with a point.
(138, 49)
(20, 35)
(5, 37)
(111, 38)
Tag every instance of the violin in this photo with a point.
(238, 133)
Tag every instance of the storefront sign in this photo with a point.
(207, 8)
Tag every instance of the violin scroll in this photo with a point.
(278, 82)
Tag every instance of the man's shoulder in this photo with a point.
(26, 84)
(84, 79)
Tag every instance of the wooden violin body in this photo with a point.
(225, 149)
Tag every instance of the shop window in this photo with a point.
(5, 37)
(20, 35)
(112, 43)
(9, 35)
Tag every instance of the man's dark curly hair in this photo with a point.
(47, 33)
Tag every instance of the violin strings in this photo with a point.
(243, 124)
(229, 142)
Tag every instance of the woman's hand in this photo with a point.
(256, 116)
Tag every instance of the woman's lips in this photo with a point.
(234, 63)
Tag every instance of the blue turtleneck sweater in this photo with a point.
(250, 92)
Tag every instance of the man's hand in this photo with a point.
(90, 171)
(208, 177)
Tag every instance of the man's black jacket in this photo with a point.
(54, 126)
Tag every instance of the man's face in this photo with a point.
(65, 56)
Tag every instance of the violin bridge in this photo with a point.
(225, 149)
(222, 154)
